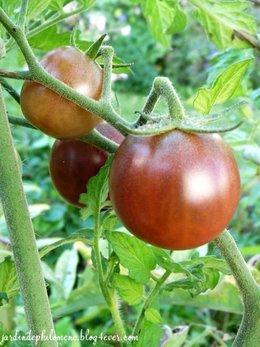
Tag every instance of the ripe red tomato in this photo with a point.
(52, 113)
(74, 162)
(176, 190)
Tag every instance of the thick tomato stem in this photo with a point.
(22, 236)
(249, 332)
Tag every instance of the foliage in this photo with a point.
(199, 300)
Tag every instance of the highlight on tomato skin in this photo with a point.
(74, 162)
(50, 112)
(175, 190)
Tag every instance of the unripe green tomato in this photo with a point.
(52, 113)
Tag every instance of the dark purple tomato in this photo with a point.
(50, 112)
(176, 190)
(74, 162)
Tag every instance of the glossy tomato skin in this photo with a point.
(74, 162)
(50, 112)
(176, 190)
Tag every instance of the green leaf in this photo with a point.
(66, 270)
(134, 254)
(36, 7)
(86, 295)
(252, 153)
(209, 262)
(97, 192)
(201, 274)
(222, 60)
(224, 297)
(57, 5)
(159, 16)
(175, 337)
(87, 3)
(164, 259)
(8, 280)
(129, 290)
(179, 21)
(50, 39)
(222, 20)
(10, 6)
(109, 221)
(250, 250)
(255, 97)
(150, 335)
(119, 65)
(152, 315)
(223, 88)
(93, 50)
(70, 239)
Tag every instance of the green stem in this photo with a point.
(55, 19)
(22, 236)
(249, 333)
(99, 140)
(10, 90)
(108, 293)
(107, 53)
(94, 137)
(17, 75)
(151, 101)
(22, 15)
(149, 105)
(164, 87)
(20, 121)
(148, 302)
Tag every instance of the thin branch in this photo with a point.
(148, 301)
(17, 75)
(20, 121)
(97, 139)
(107, 53)
(10, 90)
(23, 12)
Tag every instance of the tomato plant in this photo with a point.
(176, 190)
(50, 112)
(74, 162)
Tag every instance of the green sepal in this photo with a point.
(93, 50)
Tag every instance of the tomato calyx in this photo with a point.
(152, 123)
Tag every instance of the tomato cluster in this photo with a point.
(175, 190)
